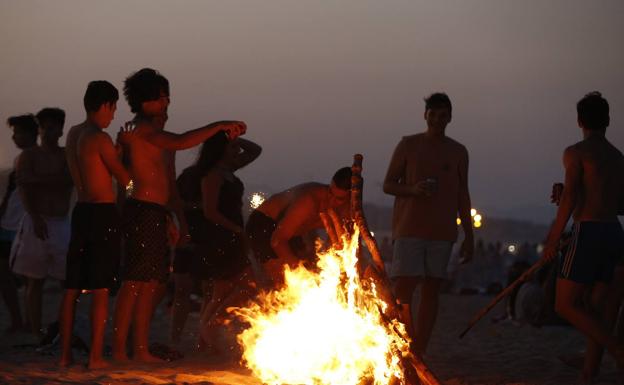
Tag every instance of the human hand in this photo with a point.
(126, 133)
(466, 252)
(557, 191)
(550, 251)
(40, 227)
(235, 129)
(426, 187)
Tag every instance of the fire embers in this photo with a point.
(322, 327)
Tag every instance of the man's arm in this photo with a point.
(291, 222)
(569, 197)
(250, 152)
(174, 142)
(464, 206)
(109, 156)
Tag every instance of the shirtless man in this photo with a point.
(593, 193)
(150, 155)
(95, 245)
(428, 175)
(277, 227)
(11, 212)
(45, 186)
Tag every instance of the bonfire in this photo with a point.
(329, 325)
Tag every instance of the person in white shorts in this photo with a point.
(45, 186)
(428, 175)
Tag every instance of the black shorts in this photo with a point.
(94, 248)
(146, 254)
(594, 251)
(259, 229)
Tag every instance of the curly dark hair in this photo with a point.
(438, 100)
(26, 122)
(51, 114)
(99, 92)
(144, 85)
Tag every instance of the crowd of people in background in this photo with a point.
(133, 223)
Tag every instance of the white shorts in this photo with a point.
(36, 258)
(415, 257)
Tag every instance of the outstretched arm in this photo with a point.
(250, 152)
(174, 142)
(569, 196)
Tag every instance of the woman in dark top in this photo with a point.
(221, 259)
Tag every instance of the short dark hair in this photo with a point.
(593, 111)
(26, 122)
(342, 178)
(438, 100)
(144, 85)
(51, 114)
(99, 92)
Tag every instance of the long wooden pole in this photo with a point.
(508, 290)
(357, 215)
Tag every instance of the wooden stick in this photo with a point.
(525, 276)
(338, 225)
(329, 228)
(357, 215)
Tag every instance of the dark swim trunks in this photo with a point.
(259, 229)
(145, 239)
(94, 248)
(594, 251)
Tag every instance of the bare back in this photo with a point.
(309, 197)
(71, 153)
(599, 167)
(96, 180)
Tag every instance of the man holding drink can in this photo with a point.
(428, 175)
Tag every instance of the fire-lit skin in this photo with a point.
(93, 161)
(436, 150)
(297, 212)
(220, 291)
(23, 140)
(592, 191)
(45, 188)
(150, 153)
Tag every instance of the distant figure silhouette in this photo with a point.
(592, 194)
(428, 175)
(11, 213)
(45, 186)
(147, 224)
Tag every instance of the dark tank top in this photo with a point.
(231, 198)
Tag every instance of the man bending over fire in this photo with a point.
(276, 228)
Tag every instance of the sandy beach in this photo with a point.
(501, 353)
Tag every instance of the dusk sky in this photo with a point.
(317, 81)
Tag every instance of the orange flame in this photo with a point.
(322, 327)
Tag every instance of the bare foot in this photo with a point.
(65, 362)
(98, 364)
(147, 358)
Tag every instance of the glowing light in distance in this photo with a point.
(256, 200)
(473, 212)
(477, 218)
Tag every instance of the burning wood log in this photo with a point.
(508, 290)
(329, 228)
(357, 216)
